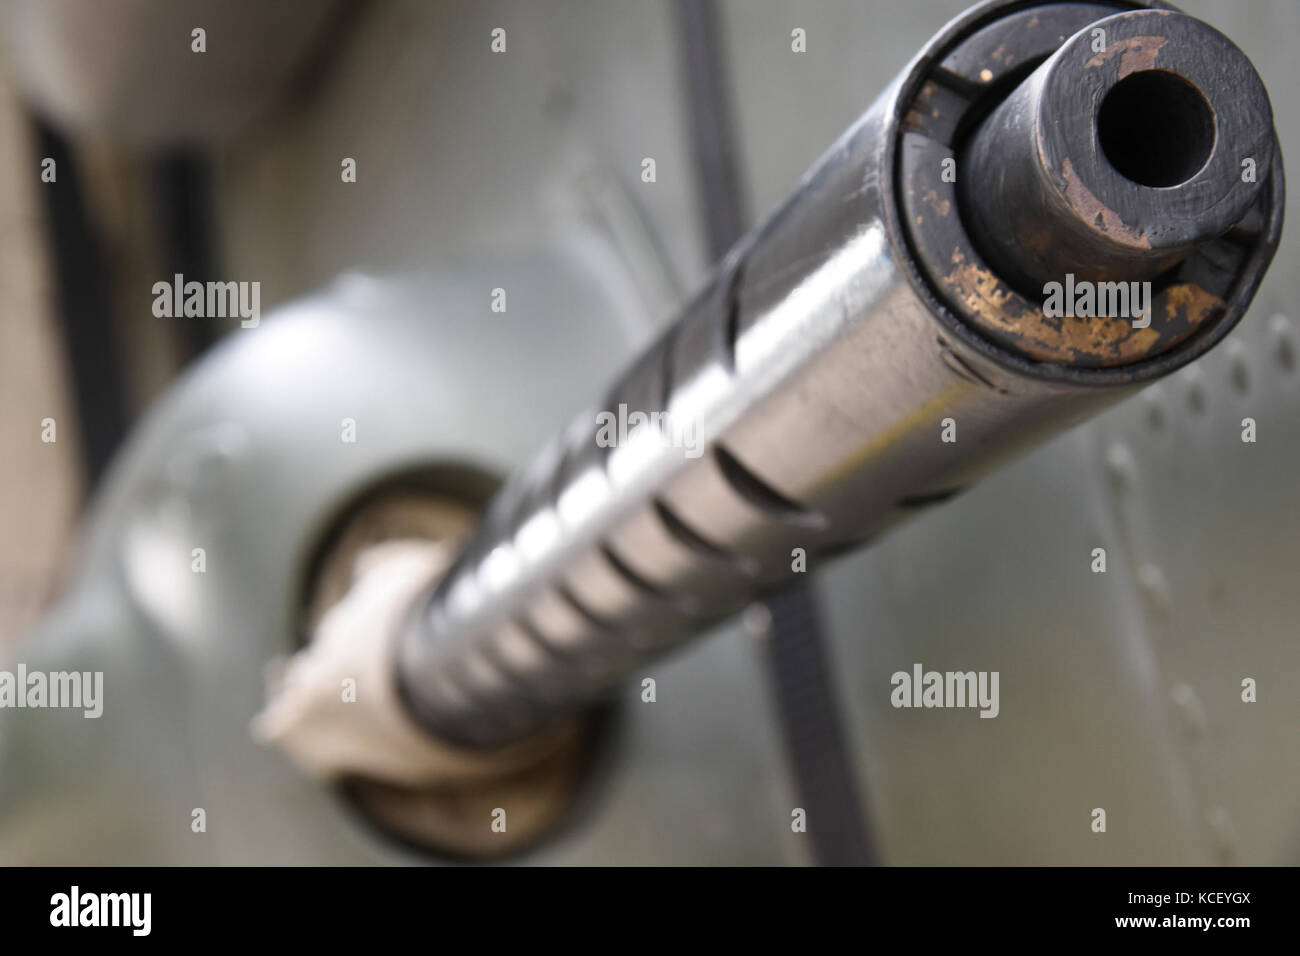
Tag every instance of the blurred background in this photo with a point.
(1119, 690)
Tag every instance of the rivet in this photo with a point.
(1155, 409)
(1283, 348)
(756, 620)
(1195, 390)
(1223, 833)
(1191, 713)
(1240, 371)
(1154, 586)
(1121, 467)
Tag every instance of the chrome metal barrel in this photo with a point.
(852, 361)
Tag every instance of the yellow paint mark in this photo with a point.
(919, 418)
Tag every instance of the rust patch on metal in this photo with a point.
(939, 205)
(1135, 54)
(1095, 341)
(1187, 302)
(1093, 210)
(914, 121)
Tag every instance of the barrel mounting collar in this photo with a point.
(959, 80)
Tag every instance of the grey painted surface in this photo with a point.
(1097, 680)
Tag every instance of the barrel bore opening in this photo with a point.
(1156, 128)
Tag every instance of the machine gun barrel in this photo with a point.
(1053, 205)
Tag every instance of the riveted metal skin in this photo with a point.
(831, 380)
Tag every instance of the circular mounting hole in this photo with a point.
(1156, 128)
